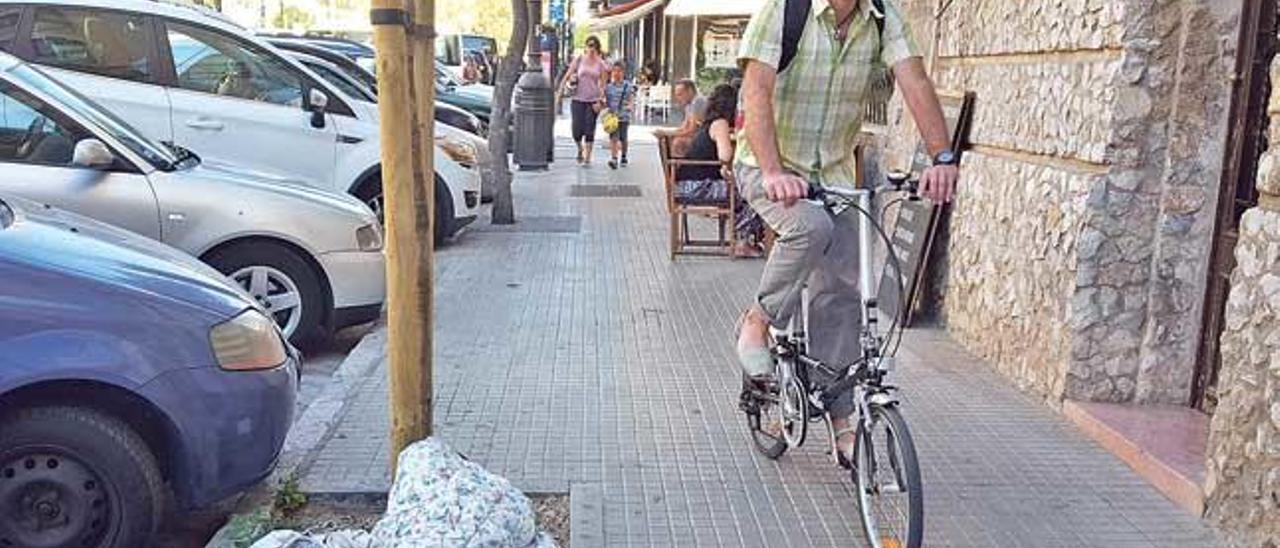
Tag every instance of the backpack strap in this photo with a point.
(877, 7)
(794, 18)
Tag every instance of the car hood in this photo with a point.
(477, 92)
(78, 247)
(251, 185)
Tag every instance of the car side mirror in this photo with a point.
(317, 102)
(92, 153)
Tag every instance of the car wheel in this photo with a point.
(75, 477)
(443, 227)
(371, 194)
(281, 281)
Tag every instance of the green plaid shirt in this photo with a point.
(818, 102)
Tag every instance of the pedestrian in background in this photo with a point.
(584, 82)
(620, 94)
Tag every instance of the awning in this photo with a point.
(621, 15)
(713, 8)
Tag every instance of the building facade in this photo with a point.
(1101, 223)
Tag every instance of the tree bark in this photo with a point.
(500, 121)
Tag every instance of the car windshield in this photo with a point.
(158, 155)
(332, 75)
(471, 43)
(445, 79)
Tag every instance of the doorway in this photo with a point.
(1237, 194)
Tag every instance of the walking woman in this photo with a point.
(586, 79)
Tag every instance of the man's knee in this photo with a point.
(811, 227)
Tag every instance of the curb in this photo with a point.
(586, 515)
(311, 429)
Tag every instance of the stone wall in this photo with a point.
(1243, 479)
(1078, 243)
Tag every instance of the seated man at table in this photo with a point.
(686, 96)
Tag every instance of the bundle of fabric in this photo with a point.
(441, 499)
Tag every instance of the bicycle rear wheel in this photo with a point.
(887, 477)
(765, 420)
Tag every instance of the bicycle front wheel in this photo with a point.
(887, 477)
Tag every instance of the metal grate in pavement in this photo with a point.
(537, 224)
(604, 191)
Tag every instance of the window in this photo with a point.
(211, 62)
(339, 81)
(31, 133)
(109, 43)
(9, 18)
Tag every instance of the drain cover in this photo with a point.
(604, 191)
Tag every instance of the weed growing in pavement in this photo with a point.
(289, 497)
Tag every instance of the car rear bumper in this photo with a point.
(357, 279)
(229, 427)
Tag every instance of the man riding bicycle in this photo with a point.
(807, 67)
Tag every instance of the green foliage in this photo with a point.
(293, 17)
(710, 77)
(289, 497)
(483, 17)
(243, 530)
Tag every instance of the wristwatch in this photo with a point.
(946, 158)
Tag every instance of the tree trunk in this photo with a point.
(500, 121)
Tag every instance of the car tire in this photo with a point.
(286, 272)
(371, 194)
(80, 467)
(444, 213)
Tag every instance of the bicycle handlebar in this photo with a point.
(897, 181)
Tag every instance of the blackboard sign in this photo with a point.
(917, 222)
(909, 240)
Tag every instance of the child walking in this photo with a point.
(619, 99)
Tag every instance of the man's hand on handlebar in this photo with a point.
(785, 187)
(938, 183)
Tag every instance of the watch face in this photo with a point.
(945, 157)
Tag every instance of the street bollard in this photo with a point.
(534, 120)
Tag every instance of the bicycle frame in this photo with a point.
(793, 341)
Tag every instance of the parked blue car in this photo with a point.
(130, 374)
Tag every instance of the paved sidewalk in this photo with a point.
(572, 354)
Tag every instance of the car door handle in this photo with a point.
(205, 123)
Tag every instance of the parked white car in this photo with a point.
(312, 257)
(186, 75)
(466, 148)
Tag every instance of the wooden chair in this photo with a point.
(723, 211)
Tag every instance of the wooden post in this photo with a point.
(406, 159)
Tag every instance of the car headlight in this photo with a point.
(459, 151)
(248, 342)
(369, 237)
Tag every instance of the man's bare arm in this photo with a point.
(921, 98)
(937, 183)
(758, 82)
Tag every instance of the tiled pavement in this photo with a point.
(570, 351)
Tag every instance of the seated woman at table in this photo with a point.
(713, 141)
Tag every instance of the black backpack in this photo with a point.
(796, 17)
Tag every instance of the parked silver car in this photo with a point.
(312, 257)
